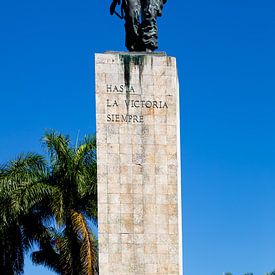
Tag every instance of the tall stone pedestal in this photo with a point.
(138, 151)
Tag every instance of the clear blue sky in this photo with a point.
(226, 58)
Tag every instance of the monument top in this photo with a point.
(140, 23)
(137, 53)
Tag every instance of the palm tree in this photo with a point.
(63, 192)
(72, 178)
(17, 177)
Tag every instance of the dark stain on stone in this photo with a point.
(169, 61)
(128, 61)
(141, 67)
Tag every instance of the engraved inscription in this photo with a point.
(129, 104)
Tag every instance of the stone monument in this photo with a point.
(138, 152)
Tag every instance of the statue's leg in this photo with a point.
(132, 13)
(149, 29)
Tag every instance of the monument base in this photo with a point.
(138, 156)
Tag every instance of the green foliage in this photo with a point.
(34, 192)
(17, 179)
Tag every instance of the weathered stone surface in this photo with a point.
(139, 211)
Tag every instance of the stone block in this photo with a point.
(138, 161)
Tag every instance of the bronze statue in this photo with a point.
(140, 22)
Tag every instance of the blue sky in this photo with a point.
(226, 59)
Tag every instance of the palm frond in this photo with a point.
(57, 145)
(87, 252)
(23, 169)
(47, 258)
(86, 148)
